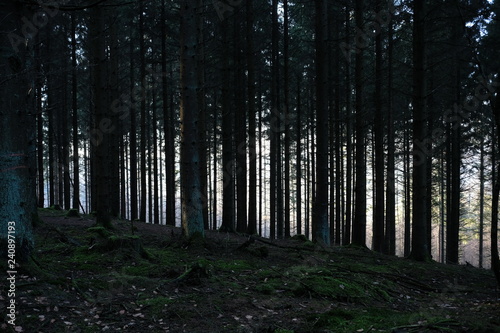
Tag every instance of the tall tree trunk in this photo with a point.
(74, 90)
(192, 205)
(298, 129)
(168, 127)
(240, 135)
(202, 111)
(286, 116)
(419, 244)
(320, 216)
(39, 123)
(378, 222)
(214, 188)
(113, 92)
(252, 186)
(481, 204)
(336, 136)
(228, 218)
(348, 196)
(142, 64)
(453, 223)
(274, 193)
(390, 212)
(156, 208)
(133, 139)
(407, 193)
(17, 162)
(101, 138)
(359, 225)
(495, 260)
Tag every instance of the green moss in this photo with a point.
(73, 213)
(300, 237)
(266, 288)
(283, 330)
(343, 320)
(233, 265)
(86, 259)
(157, 304)
(101, 231)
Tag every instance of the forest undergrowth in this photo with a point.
(146, 278)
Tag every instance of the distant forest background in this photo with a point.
(364, 122)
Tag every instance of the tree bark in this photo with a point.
(321, 232)
(359, 225)
(419, 243)
(17, 138)
(192, 205)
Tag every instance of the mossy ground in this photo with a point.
(106, 283)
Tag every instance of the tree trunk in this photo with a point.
(202, 111)
(359, 225)
(252, 186)
(420, 246)
(74, 87)
(228, 219)
(240, 134)
(378, 222)
(17, 138)
(192, 205)
(481, 203)
(133, 139)
(348, 91)
(390, 213)
(286, 116)
(168, 127)
(100, 139)
(298, 128)
(320, 216)
(142, 64)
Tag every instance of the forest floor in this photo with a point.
(152, 280)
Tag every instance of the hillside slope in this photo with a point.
(154, 281)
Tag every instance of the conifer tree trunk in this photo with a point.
(192, 205)
(274, 188)
(74, 87)
(320, 210)
(156, 208)
(390, 217)
(240, 134)
(359, 225)
(419, 243)
(202, 110)
(228, 218)
(101, 140)
(252, 151)
(17, 138)
(348, 195)
(453, 223)
(133, 139)
(378, 223)
(495, 260)
(286, 125)
(142, 65)
(168, 127)
(112, 94)
(298, 129)
(481, 203)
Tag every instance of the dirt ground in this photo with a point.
(147, 278)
